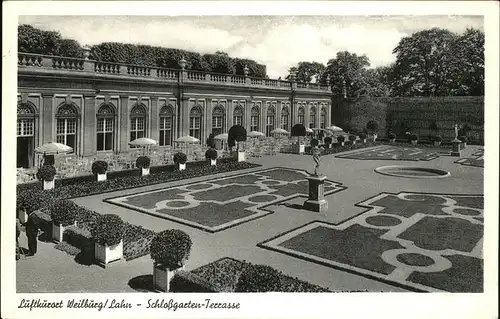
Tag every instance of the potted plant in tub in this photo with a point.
(180, 160)
(299, 130)
(328, 141)
(464, 141)
(362, 137)
(211, 155)
(341, 140)
(392, 137)
(437, 140)
(99, 169)
(46, 174)
(143, 162)
(372, 127)
(108, 232)
(352, 139)
(63, 214)
(414, 139)
(170, 250)
(237, 134)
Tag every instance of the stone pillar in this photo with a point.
(48, 118)
(316, 201)
(229, 115)
(263, 117)
(277, 119)
(155, 111)
(318, 114)
(455, 147)
(123, 126)
(208, 119)
(89, 126)
(307, 109)
(247, 115)
(184, 117)
(328, 114)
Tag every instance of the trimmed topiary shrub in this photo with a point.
(413, 137)
(352, 138)
(236, 134)
(314, 142)
(99, 167)
(210, 140)
(211, 154)
(143, 162)
(362, 135)
(463, 139)
(392, 136)
(46, 173)
(180, 158)
(185, 281)
(171, 248)
(298, 130)
(63, 212)
(437, 138)
(372, 126)
(258, 278)
(328, 140)
(108, 230)
(341, 139)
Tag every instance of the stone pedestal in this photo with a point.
(455, 151)
(316, 201)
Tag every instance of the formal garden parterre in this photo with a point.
(423, 242)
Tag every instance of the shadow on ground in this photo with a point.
(143, 283)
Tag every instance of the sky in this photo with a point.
(279, 42)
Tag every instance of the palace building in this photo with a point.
(99, 107)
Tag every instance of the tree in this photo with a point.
(377, 82)
(350, 68)
(308, 72)
(33, 40)
(423, 63)
(220, 62)
(69, 48)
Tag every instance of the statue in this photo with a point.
(316, 153)
(456, 131)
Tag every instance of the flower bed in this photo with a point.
(223, 275)
(337, 148)
(85, 186)
(421, 144)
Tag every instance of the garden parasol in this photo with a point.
(279, 131)
(334, 128)
(53, 148)
(222, 137)
(187, 140)
(143, 142)
(255, 134)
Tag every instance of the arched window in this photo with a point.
(166, 125)
(312, 117)
(323, 117)
(138, 122)
(284, 118)
(195, 122)
(105, 127)
(238, 116)
(301, 113)
(254, 119)
(66, 125)
(270, 120)
(26, 132)
(218, 120)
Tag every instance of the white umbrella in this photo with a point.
(222, 137)
(308, 130)
(279, 131)
(255, 134)
(53, 148)
(187, 140)
(334, 128)
(143, 142)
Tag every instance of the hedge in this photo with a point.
(185, 281)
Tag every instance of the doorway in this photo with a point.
(25, 152)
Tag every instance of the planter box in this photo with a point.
(58, 231)
(414, 142)
(353, 142)
(23, 216)
(463, 145)
(213, 162)
(342, 143)
(392, 140)
(241, 156)
(162, 277)
(106, 254)
(300, 148)
(145, 171)
(437, 143)
(181, 167)
(101, 177)
(48, 185)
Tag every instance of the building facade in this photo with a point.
(98, 107)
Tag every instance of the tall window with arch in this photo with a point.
(218, 120)
(254, 118)
(312, 117)
(238, 116)
(285, 114)
(301, 114)
(138, 116)
(195, 122)
(105, 127)
(270, 120)
(166, 125)
(323, 117)
(26, 132)
(66, 125)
